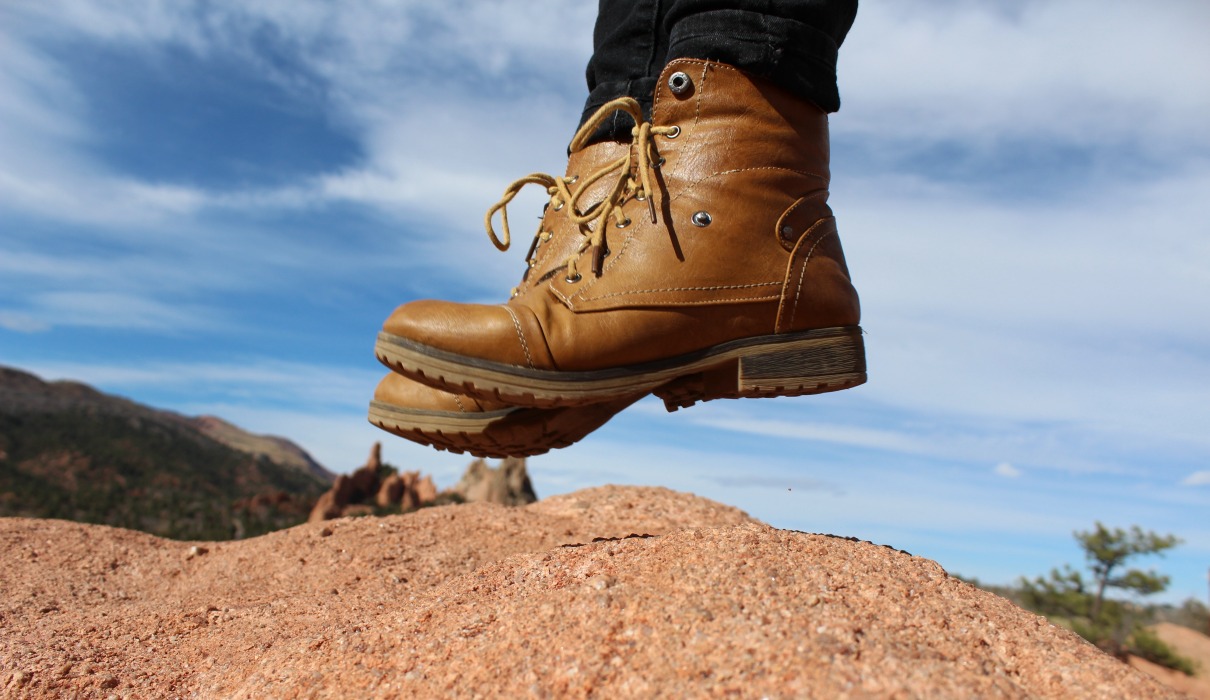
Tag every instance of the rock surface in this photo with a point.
(609, 592)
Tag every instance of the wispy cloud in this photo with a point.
(379, 72)
(309, 388)
(1199, 478)
(21, 323)
(1077, 71)
(1007, 471)
(866, 425)
(783, 482)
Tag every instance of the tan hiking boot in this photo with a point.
(713, 264)
(483, 428)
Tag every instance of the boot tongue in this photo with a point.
(566, 238)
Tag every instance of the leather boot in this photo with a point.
(485, 428)
(712, 269)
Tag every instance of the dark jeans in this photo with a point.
(791, 42)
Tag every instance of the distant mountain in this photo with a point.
(278, 449)
(69, 451)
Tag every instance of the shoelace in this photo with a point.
(625, 187)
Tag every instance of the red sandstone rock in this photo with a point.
(357, 493)
(507, 484)
(425, 489)
(391, 491)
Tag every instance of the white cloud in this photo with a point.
(85, 195)
(119, 310)
(1078, 70)
(852, 435)
(1007, 471)
(308, 388)
(1199, 478)
(21, 323)
(445, 118)
(1037, 312)
(950, 438)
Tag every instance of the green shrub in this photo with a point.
(1145, 644)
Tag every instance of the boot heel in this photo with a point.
(797, 368)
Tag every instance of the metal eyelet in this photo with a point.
(660, 162)
(679, 83)
(676, 131)
(573, 280)
(572, 179)
(623, 224)
(701, 219)
(559, 206)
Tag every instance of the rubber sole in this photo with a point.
(514, 432)
(790, 364)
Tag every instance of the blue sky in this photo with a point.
(211, 206)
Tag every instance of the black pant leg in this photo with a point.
(794, 43)
(791, 42)
(630, 47)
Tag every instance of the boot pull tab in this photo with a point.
(800, 217)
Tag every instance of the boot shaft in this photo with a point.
(741, 212)
(729, 120)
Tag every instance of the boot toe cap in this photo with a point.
(479, 331)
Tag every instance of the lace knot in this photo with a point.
(632, 180)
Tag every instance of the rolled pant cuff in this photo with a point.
(796, 56)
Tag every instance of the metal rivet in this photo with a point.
(787, 231)
(701, 218)
(679, 83)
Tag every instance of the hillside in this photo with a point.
(69, 451)
(611, 592)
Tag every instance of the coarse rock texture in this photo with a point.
(608, 592)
